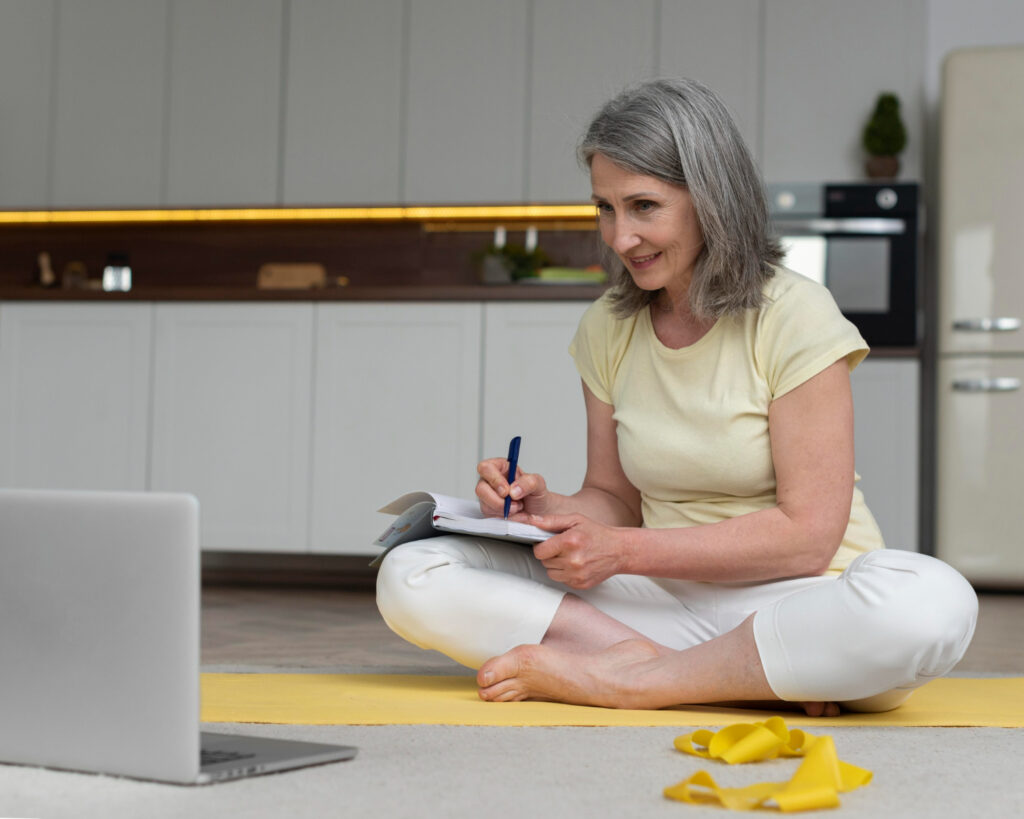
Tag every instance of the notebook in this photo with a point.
(428, 514)
(99, 635)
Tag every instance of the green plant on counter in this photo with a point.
(516, 260)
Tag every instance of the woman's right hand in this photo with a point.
(529, 491)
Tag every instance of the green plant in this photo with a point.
(520, 262)
(885, 134)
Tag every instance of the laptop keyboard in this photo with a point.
(217, 757)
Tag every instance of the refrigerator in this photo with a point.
(979, 489)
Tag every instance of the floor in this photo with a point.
(254, 628)
(464, 772)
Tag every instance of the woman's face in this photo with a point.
(650, 224)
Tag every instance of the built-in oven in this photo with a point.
(861, 240)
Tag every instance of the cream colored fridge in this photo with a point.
(979, 524)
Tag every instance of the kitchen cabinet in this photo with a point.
(26, 30)
(825, 62)
(691, 34)
(531, 388)
(293, 423)
(886, 406)
(342, 126)
(465, 132)
(231, 419)
(224, 111)
(74, 395)
(109, 109)
(583, 52)
(397, 409)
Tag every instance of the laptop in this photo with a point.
(99, 642)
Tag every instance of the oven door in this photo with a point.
(869, 265)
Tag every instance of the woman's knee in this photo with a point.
(468, 599)
(924, 606)
(892, 620)
(425, 586)
(404, 583)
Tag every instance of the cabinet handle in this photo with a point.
(987, 385)
(987, 325)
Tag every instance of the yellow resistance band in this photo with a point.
(817, 783)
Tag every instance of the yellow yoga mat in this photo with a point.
(396, 699)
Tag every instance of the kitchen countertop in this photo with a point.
(456, 292)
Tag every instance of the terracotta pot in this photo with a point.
(882, 167)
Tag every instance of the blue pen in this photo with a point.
(513, 460)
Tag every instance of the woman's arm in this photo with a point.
(811, 431)
(606, 495)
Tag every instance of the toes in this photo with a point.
(820, 709)
(501, 679)
(506, 691)
(501, 668)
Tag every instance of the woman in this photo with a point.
(718, 549)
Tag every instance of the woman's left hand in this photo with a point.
(582, 554)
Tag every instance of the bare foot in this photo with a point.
(622, 676)
(629, 674)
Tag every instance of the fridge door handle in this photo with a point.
(1003, 384)
(988, 325)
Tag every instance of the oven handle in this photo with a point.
(863, 226)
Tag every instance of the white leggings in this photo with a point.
(891, 622)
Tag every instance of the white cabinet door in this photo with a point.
(825, 62)
(691, 35)
(531, 388)
(231, 419)
(397, 410)
(342, 132)
(109, 126)
(74, 395)
(465, 128)
(886, 406)
(225, 102)
(584, 51)
(26, 38)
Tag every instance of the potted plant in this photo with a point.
(884, 138)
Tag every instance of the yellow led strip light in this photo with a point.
(423, 213)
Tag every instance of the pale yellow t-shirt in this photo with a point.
(693, 423)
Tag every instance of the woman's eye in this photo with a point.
(604, 209)
(644, 205)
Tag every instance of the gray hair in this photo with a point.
(678, 131)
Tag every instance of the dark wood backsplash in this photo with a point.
(228, 255)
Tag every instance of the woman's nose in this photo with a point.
(623, 236)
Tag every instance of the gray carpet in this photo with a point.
(473, 772)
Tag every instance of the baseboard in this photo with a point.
(262, 569)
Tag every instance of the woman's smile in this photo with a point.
(642, 262)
